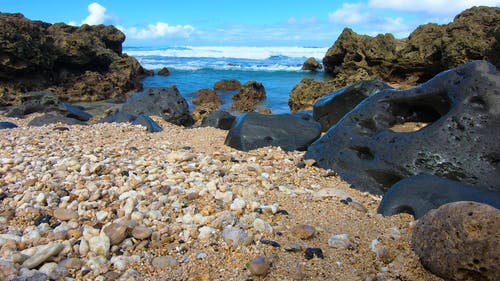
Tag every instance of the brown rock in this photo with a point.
(63, 214)
(305, 93)
(249, 96)
(227, 85)
(460, 241)
(116, 233)
(207, 96)
(260, 266)
(304, 231)
(164, 72)
(312, 64)
(141, 232)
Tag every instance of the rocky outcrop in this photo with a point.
(227, 85)
(164, 72)
(460, 241)
(460, 141)
(305, 94)
(164, 102)
(249, 96)
(206, 101)
(253, 130)
(430, 49)
(77, 63)
(312, 64)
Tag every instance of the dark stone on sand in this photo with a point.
(53, 117)
(218, 119)
(253, 130)
(118, 117)
(250, 94)
(460, 241)
(310, 253)
(461, 141)
(164, 102)
(164, 72)
(419, 194)
(76, 112)
(329, 109)
(147, 122)
(7, 125)
(312, 64)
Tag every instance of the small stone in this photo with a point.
(304, 231)
(341, 241)
(71, 263)
(164, 262)
(358, 206)
(260, 266)
(7, 270)
(53, 271)
(238, 205)
(234, 236)
(42, 255)
(116, 233)
(206, 232)
(297, 272)
(293, 247)
(312, 252)
(121, 263)
(262, 226)
(141, 232)
(63, 214)
(99, 245)
(42, 219)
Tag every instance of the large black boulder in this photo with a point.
(218, 119)
(419, 194)
(253, 130)
(461, 141)
(328, 110)
(53, 117)
(165, 102)
(147, 122)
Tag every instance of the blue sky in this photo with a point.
(248, 22)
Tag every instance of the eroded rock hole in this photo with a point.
(385, 178)
(363, 152)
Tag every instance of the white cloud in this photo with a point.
(437, 7)
(97, 14)
(349, 14)
(158, 30)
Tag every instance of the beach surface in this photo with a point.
(181, 194)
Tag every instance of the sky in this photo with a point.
(314, 23)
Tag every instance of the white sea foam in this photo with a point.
(257, 53)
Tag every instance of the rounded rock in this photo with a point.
(304, 231)
(141, 232)
(260, 266)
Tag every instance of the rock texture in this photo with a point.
(77, 63)
(164, 102)
(164, 72)
(305, 94)
(253, 130)
(430, 49)
(227, 85)
(460, 141)
(312, 64)
(329, 109)
(249, 96)
(218, 119)
(419, 194)
(460, 241)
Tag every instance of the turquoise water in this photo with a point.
(195, 68)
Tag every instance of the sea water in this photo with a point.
(195, 68)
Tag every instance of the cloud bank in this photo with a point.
(432, 7)
(158, 30)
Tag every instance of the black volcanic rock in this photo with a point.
(147, 122)
(218, 119)
(7, 125)
(53, 117)
(329, 109)
(461, 141)
(253, 130)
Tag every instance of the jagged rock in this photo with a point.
(147, 122)
(312, 64)
(305, 94)
(7, 125)
(227, 85)
(419, 194)
(207, 97)
(459, 143)
(249, 96)
(76, 63)
(164, 72)
(218, 119)
(430, 49)
(329, 109)
(165, 102)
(460, 241)
(253, 130)
(53, 117)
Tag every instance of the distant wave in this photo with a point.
(275, 67)
(257, 53)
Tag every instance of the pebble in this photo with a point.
(7, 270)
(53, 271)
(164, 262)
(121, 263)
(270, 242)
(304, 231)
(141, 232)
(310, 253)
(116, 233)
(262, 226)
(100, 244)
(234, 236)
(260, 266)
(206, 232)
(238, 205)
(341, 241)
(293, 247)
(42, 255)
(63, 214)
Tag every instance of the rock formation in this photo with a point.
(460, 142)
(227, 85)
(312, 64)
(218, 119)
(77, 63)
(249, 96)
(164, 72)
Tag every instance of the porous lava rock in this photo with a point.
(329, 109)
(419, 194)
(250, 94)
(460, 142)
(83, 63)
(227, 85)
(312, 64)
(218, 119)
(164, 72)
(460, 241)
(253, 130)
(306, 92)
(430, 49)
(164, 102)
(207, 97)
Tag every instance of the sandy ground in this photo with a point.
(177, 175)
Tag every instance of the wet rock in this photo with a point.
(419, 194)
(227, 85)
(218, 119)
(7, 125)
(260, 266)
(250, 94)
(458, 144)
(42, 255)
(164, 102)
(304, 231)
(147, 122)
(312, 64)
(163, 72)
(253, 130)
(460, 241)
(329, 109)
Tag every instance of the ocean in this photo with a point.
(195, 68)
